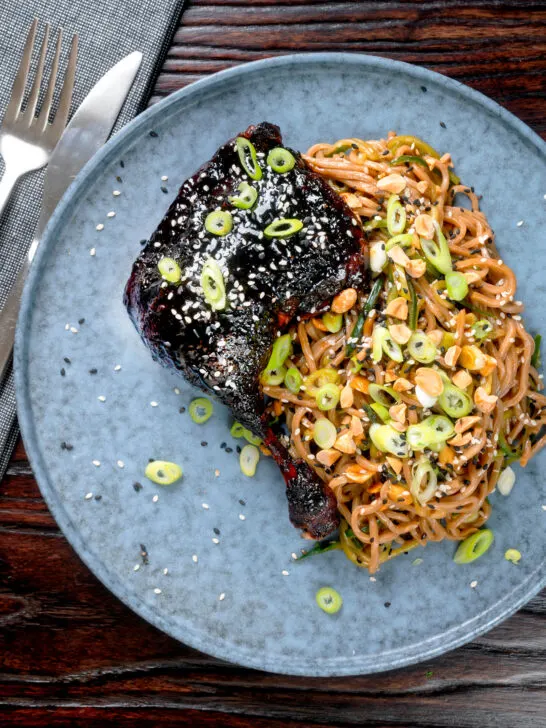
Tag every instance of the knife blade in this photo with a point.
(86, 132)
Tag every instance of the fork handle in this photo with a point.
(8, 319)
(7, 183)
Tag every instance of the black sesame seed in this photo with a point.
(223, 445)
(238, 448)
(182, 410)
(387, 604)
(216, 531)
(442, 124)
(229, 449)
(68, 446)
(81, 321)
(93, 371)
(67, 360)
(63, 372)
(242, 502)
(137, 486)
(98, 497)
(63, 445)
(424, 89)
(144, 554)
(121, 163)
(154, 134)
(118, 179)
(151, 460)
(143, 241)
(204, 443)
(164, 190)
(385, 152)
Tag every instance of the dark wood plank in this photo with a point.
(70, 653)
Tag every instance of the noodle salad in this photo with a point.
(412, 401)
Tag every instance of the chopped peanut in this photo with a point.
(398, 426)
(430, 381)
(356, 426)
(398, 308)
(446, 455)
(398, 494)
(452, 355)
(435, 336)
(328, 457)
(346, 398)
(400, 333)
(465, 423)
(345, 443)
(397, 255)
(416, 267)
(471, 358)
(489, 366)
(398, 412)
(470, 318)
(361, 384)
(352, 200)
(357, 474)
(402, 385)
(395, 464)
(460, 439)
(424, 226)
(392, 183)
(390, 376)
(422, 186)
(344, 301)
(472, 276)
(318, 324)
(484, 402)
(461, 379)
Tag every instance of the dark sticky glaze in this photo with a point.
(268, 282)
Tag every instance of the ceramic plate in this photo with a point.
(241, 597)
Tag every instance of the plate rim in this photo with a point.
(457, 635)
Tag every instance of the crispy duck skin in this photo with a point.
(268, 283)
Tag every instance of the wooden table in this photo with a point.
(70, 653)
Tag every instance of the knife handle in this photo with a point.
(8, 318)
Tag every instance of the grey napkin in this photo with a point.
(108, 30)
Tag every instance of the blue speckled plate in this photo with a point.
(234, 599)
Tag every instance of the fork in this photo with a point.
(27, 139)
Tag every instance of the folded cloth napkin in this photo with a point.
(108, 30)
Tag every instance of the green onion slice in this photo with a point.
(273, 377)
(535, 359)
(384, 395)
(237, 430)
(474, 546)
(512, 555)
(434, 430)
(421, 348)
(456, 285)
(284, 227)
(387, 439)
(248, 460)
(414, 306)
(282, 349)
(163, 472)
(381, 411)
(382, 342)
(481, 329)
(212, 283)
(333, 321)
(396, 216)
(170, 270)
(251, 437)
(314, 381)
(329, 600)
(327, 397)
(437, 253)
(248, 159)
(324, 433)
(403, 241)
(455, 402)
(293, 380)
(200, 410)
(219, 222)
(281, 160)
(423, 480)
(246, 198)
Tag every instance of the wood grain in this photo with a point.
(70, 653)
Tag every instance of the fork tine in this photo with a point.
(46, 106)
(37, 83)
(65, 99)
(18, 89)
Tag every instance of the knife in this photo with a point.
(86, 132)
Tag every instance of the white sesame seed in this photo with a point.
(284, 572)
(194, 558)
(215, 540)
(136, 567)
(176, 390)
(101, 398)
(543, 507)
(74, 329)
(111, 214)
(116, 193)
(165, 572)
(100, 227)
(153, 404)
(155, 498)
(96, 463)
(92, 252)
(88, 496)
(117, 368)
(473, 584)
(164, 178)
(221, 597)
(294, 556)
(519, 223)
(242, 517)
(157, 590)
(121, 464)
(372, 578)
(205, 506)
(67, 327)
